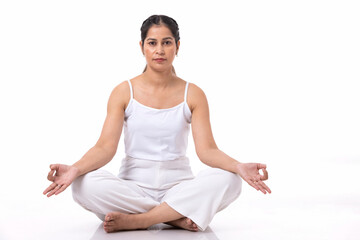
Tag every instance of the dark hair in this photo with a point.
(158, 20)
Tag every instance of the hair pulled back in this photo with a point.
(159, 20)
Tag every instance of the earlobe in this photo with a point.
(178, 46)
(141, 47)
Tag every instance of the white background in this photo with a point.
(282, 80)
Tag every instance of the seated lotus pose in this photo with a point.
(155, 183)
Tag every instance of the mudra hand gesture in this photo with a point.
(62, 176)
(250, 173)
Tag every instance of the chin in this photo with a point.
(161, 68)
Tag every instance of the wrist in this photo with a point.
(76, 171)
(238, 166)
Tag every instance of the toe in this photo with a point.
(109, 229)
(193, 226)
(107, 224)
(108, 217)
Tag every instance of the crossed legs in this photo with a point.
(162, 213)
(123, 205)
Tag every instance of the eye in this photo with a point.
(167, 42)
(152, 43)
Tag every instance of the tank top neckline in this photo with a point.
(158, 109)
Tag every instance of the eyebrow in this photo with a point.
(154, 39)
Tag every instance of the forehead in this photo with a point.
(159, 32)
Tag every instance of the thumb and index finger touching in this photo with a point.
(262, 167)
(54, 166)
(53, 169)
(54, 188)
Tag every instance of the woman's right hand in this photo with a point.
(62, 176)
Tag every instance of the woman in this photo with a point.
(155, 183)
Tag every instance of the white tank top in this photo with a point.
(156, 134)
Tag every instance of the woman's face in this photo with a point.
(159, 48)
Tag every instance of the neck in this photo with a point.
(158, 79)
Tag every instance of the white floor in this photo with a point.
(283, 220)
(282, 81)
(298, 208)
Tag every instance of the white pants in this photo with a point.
(144, 184)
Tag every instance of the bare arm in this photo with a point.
(105, 148)
(205, 145)
(99, 155)
(210, 154)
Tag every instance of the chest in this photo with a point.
(159, 99)
(155, 122)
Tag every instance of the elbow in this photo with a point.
(108, 149)
(204, 154)
(111, 151)
(199, 154)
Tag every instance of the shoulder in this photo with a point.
(196, 97)
(120, 95)
(122, 88)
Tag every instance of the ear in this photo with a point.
(141, 47)
(178, 46)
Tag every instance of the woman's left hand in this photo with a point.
(250, 173)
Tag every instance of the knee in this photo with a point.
(232, 182)
(85, 186)
(75, 188)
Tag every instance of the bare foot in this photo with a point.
(185, 223)
(117, 221)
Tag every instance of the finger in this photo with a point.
(55, 187)
(262, 187)
(61, 189)
(257, 178)
(258, 184)
(252, 183)
(54, 167)
(261, 166)
(265, 176)
(52, 192)
(51, 187)
(265, 187)
(50, 176)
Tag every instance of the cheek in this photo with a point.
(148, 51)
(171, 51)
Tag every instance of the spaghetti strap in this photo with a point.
(131, 90)
(186, 90)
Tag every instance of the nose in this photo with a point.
(160, 49)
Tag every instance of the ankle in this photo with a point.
(142, 221)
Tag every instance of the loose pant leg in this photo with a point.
(101, 192)
(202, 197)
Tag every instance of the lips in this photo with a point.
(159, 59)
